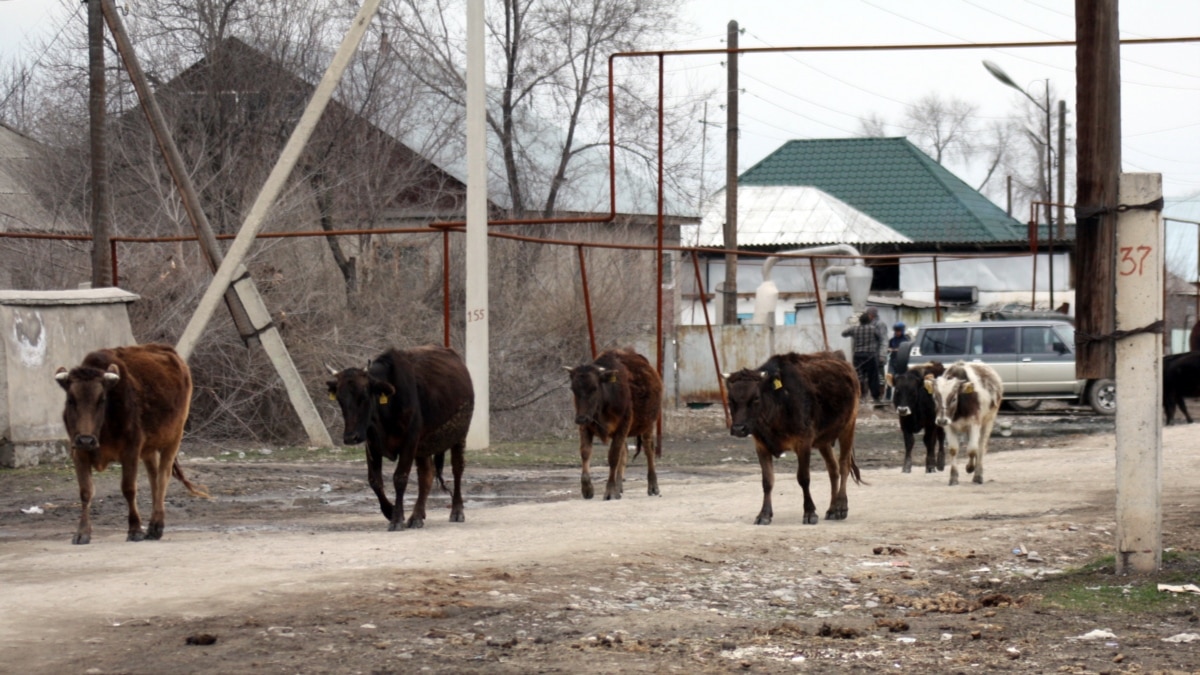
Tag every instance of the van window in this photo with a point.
(943, 341)
(994, 340)
(1041, 340)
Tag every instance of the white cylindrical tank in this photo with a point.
(766, 298)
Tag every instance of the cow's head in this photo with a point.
(87, 399)
(356, 391)
(948, 393)
(744, 389)
(908, 387)
(587, 386)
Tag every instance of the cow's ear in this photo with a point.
(610, 376)
(890, 379)
(111, 376)
(332, 384)
(929, 384)
(63, 377)
(382, 390)
(968, 388)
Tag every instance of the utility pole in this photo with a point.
(731, 176)
(1062, 168)
(101, 199)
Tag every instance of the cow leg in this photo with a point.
(159, 479)
(585, 456)
(929, 438)
(839, 471)
(375, 480)
(940, 434)
(1183, 407)
(457, 462)
(952, 446)
(424, 485)
(129, 490)
(910, 440)
(804, 478)
(766, 461)
(616, 467)
(400, 482)
(985, 433)
(647, 440)
(83, 474)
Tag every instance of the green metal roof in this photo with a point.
(894, 182)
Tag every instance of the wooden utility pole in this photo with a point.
(1097, 171)
(731, 177)
(242, 297)
(101, 200)
(1062, 170)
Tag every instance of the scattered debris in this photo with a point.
(1183, 637)
(33, 511)
(203, 639)
(1098, 634)
(1172, 588)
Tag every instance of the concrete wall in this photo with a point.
(43, 330)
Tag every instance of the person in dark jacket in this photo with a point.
(866, 347)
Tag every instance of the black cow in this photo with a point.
(1181, 378)
(409, 406)
(795, 402)
(915, 406)
(617, 396)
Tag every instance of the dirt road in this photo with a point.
(922, 576)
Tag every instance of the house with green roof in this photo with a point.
(914, 222)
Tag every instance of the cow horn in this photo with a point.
(725, 376)
(112, 374)
(762, 374)
(331, 369)
(568, 368)
(61, 374)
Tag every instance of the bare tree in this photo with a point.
(872, 126)
(942, 128)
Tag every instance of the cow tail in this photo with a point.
(195, 490)
(854, 472)
(439, 461)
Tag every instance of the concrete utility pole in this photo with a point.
(1139, 376)
(101, 199)
(478, 436)
(731, 177)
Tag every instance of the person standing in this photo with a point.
(865, 345)
(882, 332)
(899, 337)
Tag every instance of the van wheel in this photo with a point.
(1022, 404)
(1102, 396)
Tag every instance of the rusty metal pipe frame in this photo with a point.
(712, 342)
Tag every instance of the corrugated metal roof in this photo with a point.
(788, 216)
(895, 183)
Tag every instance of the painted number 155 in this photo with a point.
(476, 315)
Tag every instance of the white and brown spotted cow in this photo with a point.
(967, 397)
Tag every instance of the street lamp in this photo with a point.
(999, 74)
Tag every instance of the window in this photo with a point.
(998, 340)
(943, 341)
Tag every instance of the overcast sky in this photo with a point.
(826, 94)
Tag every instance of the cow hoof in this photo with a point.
(931, 469)
(762, 520)
(954, 479)
(833, 515)
(907, 469)
(154, 532)
(614, 495)
(395, 527)
(81, 539)
(811, 518)
(588, 492)
(457, 517)
(416, 523)
(652, 491)
(978, 478)
(136, 535)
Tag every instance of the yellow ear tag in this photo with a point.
(778, 383)
(611, 377)
(332, 396)
(383, 399)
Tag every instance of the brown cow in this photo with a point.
(616, 396)
(796, 402)
(409, 406)
(124, 405)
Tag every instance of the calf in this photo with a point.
(409, 406)
(1181, 378)
(918, 413)
(795, 402)
(616, 396)
(967, 398)
(126, 405)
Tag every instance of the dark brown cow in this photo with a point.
(617, 396)
(917, 412)
(795, 402)
(1181, 379)
(124, 405)
(409, 406)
